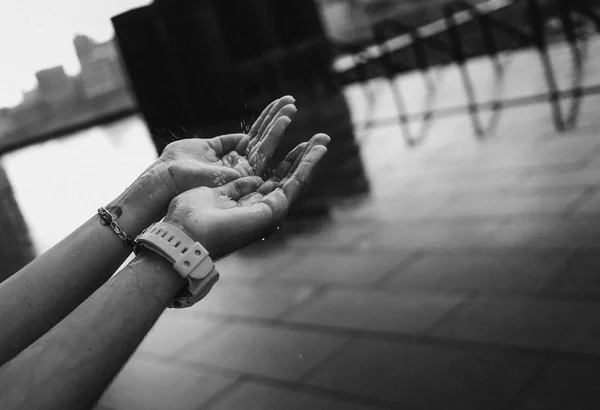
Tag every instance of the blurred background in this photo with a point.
(446, 254)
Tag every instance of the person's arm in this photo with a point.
(41, 294)
(70, 366)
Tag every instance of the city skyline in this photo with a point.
(41, 36)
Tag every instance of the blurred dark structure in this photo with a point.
(477, 28)
(204, 68)
(16, 248)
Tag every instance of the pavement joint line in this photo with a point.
(578, 203)
(316, 369)
(529, 385)
(315, 295)
(592, 155)
(460, 306)
(205, 337)
(294, 386)
(500, 188)
(570, 262)
(223, 393)
(464, 219)
(546, 294)
(411, 338)
(279, 383)
(401, 267)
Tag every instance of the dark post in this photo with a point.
(16, 249)
(226, 59)
(159, 87)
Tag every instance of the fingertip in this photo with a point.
(321, 139)
(283, 122)
(319, 151)
(256, 180)
(289, 110)
(325, 138)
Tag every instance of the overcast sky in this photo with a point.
(35, 34)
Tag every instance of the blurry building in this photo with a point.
(101, 71)
(7, 124)
(54, 85)
(346, 21)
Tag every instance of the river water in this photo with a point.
(60, 184)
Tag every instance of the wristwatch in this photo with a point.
(189, 259)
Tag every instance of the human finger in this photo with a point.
(269, 113)
(287, 111)
(294, 185)
(261, 156)
(240, 187)
(258, 123)
(290, 158)
(282, 102)
(277, 203)
(224, 144)
(317, 139)
(238, 162)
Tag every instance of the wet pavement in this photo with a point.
(468, 279)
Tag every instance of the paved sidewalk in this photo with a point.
(467, 280)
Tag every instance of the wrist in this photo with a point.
(158, 275)
(143, 202)
(194, 235)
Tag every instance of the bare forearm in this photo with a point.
(40, 295)
(71, 365)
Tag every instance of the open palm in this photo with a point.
(193, 162)
(227, 218)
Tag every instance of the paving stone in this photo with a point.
(426, 376)
(147, 385)
(260, 397)
(399, 207)
(244, 265)
(502, 204)
(338, 266)
(429, 235)
(591, 206)
(564, 385)
(468, 271)
(402, 311)
(541, 234)
(173, 332)
(331, 235)
(273, 352)
(583, 178)
(267, 300)
(581, 276)
(562, 325)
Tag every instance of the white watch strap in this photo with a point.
(189, 258)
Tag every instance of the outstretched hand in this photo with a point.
(189, 163)
(226, 218)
